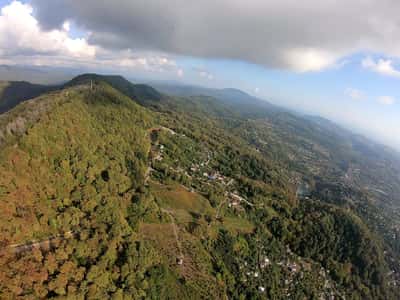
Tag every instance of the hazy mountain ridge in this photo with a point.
(14, 92)
(36, 75)
(231, 97)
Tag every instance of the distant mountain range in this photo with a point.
(36, 75)
(14, 92)
(229, 96)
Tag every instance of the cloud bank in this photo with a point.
(308, 35)
(24, 41)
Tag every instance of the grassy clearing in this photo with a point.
(236, 225)
(162, 236)
(176, 197)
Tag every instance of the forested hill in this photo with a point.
(139, 92)
(111, 190)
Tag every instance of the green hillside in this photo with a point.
(141, 93)
(110, 190)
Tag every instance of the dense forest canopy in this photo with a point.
(113, 190)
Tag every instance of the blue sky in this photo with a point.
(349, 74)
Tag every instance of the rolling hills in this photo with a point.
(114, 190)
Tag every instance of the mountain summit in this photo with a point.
(139, 92)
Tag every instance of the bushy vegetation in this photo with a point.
(103, 198)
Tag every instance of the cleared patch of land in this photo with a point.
(177, 197)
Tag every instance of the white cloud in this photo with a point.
(67, 26)
(381, 66)
(386, 100)
(306, 60)
(206, 74)
(180, 73)
(22, 41)
(128, 60)
(256, 90)
(20, 34)
(354, 93)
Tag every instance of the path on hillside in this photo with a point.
(147, 177)
(175, 229)
(248, 203)
(35, 244)
(217, 214)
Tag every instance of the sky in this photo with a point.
(339, 59)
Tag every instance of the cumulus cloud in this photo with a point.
(381, 66)
(127, 59)
(354, 94)
(203, 73)
(305, 60)
(21, 34)
(24, 41)
(307, 35)
(386, 100)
